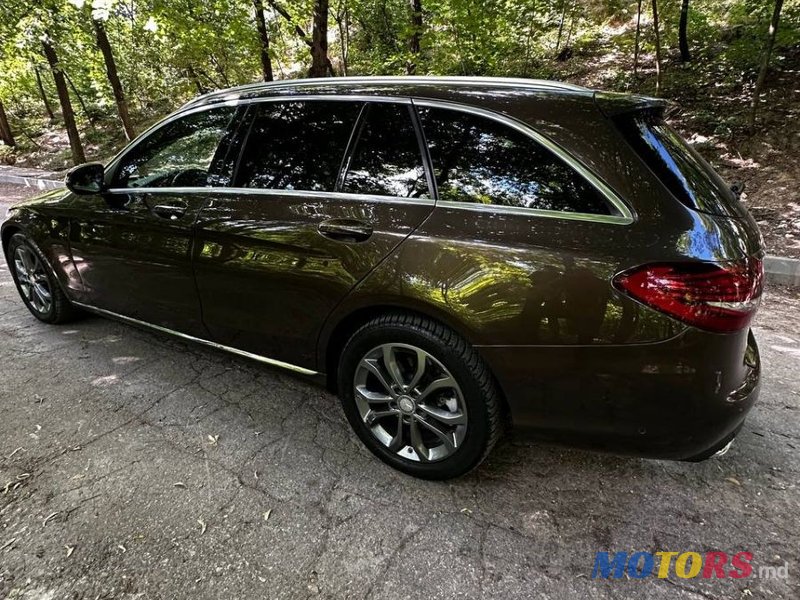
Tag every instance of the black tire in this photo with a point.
(444, 348)
(59, 310)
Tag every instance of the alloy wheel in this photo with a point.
(33, 280)
(410, 402)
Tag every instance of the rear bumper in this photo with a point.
(680, 399)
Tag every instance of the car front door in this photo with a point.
(132, 245)
(324, 190)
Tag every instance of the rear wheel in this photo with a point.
(419, 397)
(36, 283)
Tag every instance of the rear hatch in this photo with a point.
(720, 295)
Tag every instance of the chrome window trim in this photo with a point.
(243, 191)
(625, 217)
(270, 361)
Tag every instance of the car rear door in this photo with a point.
(132, 244)
(324, 190)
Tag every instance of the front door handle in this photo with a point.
(345, 230)
(173, 212)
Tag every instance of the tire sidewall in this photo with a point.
(472, 449)
(15, 242)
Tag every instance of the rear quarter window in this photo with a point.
(677, 165)
(481, 161)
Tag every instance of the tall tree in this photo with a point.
(658, 46)
(5, 129)
(40, 87)
(416, 35)
(67, 113)
(636, 40)
(113, 78)
(683, 25)
(319, 40)
(263, 40)
(762, 73)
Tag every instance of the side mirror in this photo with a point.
(86, 179)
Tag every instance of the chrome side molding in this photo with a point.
(270, 361)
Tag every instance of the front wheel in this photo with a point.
(36, 283)
(419, 396)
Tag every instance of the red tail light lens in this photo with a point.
(719, 298)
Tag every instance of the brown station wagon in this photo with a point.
(448, 254)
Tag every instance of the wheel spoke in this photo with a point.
(375, 415)
(445, 438)
(372, 397)
(437, 384)
(397, 442)
(444, 416)
(422, 359)
(390, 361)
(372, 366)
(416, 441)
(26, 257)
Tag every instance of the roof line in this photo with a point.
(392, 79)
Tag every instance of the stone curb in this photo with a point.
(782, 270)
(777, 269)
(34, 182)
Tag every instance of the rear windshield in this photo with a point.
(679, 167)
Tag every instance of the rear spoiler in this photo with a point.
(613, 104)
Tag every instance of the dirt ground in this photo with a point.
(136, 466)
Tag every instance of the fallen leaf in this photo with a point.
(213, 439)
(267, 514)
(49, 517)
(255, 474)
(733, 480)
(179, 484)
(202, 526)
(466, 511)
(122, 548)
(70, 550)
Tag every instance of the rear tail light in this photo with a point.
(719, 298)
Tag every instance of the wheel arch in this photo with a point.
(333, 340)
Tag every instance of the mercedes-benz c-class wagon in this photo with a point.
(449, 255)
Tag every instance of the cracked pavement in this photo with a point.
(133, 465)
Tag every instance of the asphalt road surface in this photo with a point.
(133, 465)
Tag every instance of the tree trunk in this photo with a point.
(78, 156)
(113, 78)
(343, 22)
(319, 40)
(300, 32)
(658, 46)
(683, 41)
(39, 85)
(5, 129)
(416, 35)
(561, 24)
(75, 91)
(263, 38)
(762, 73)
(636, 40)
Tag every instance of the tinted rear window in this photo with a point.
(679, 167)
(297, 145)
(480, 161)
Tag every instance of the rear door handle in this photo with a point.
(345, 230)
(173, 212)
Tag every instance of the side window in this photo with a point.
(179, 154)
(297, 145)
(386, 160)
(479, 160)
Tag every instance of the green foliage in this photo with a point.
(167, 51)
